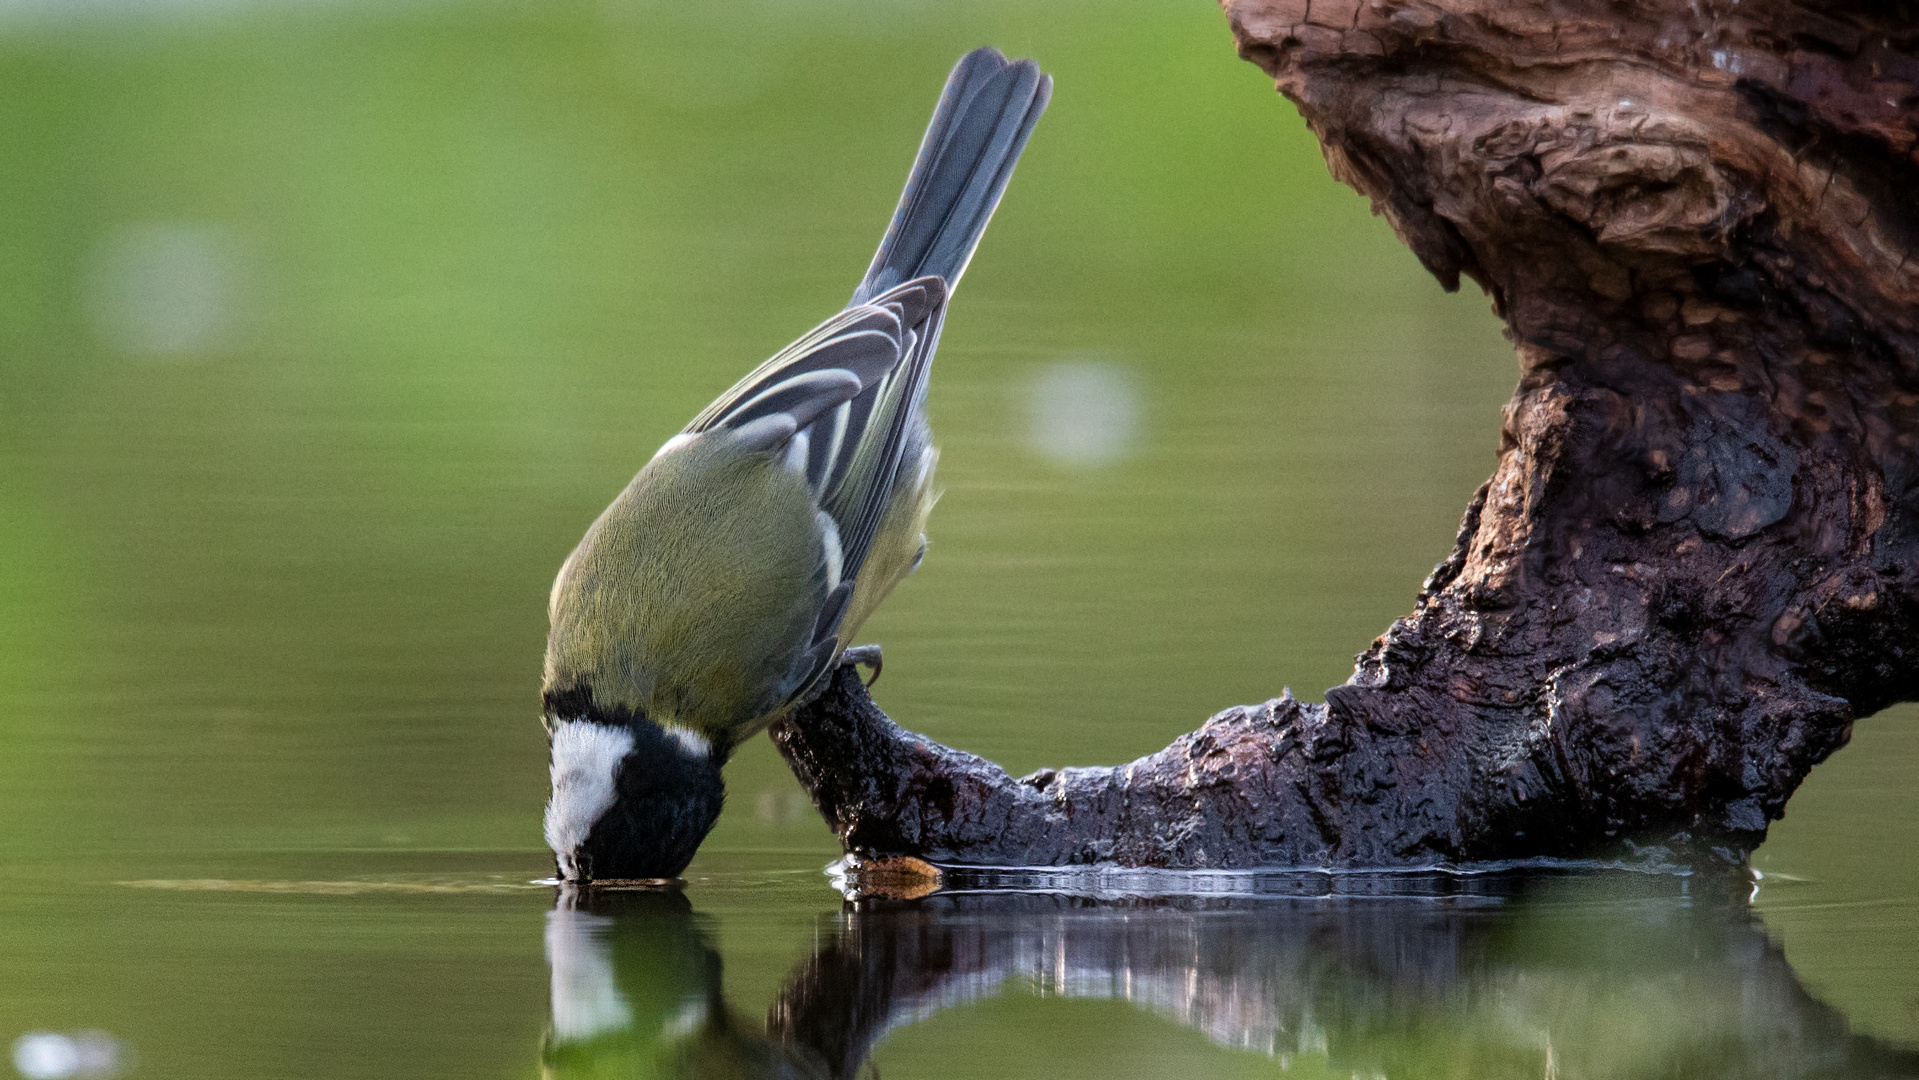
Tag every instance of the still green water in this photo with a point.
(325, 329)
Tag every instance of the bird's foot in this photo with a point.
(866, 656)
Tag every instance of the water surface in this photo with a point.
(325, 329)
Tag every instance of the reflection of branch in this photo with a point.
(1390, 985)
(1698, 558)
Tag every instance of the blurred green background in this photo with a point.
(327, 327)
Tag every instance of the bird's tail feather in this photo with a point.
(985, 114)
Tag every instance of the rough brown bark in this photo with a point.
(1698, 559)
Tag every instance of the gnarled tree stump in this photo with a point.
(1698, 559)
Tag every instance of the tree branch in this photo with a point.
(1698, 558)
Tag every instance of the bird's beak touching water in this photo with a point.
(631, 799)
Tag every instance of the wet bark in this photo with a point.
(1697, 561)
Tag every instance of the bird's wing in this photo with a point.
(856, 469)
(838, 406)
(839, 401)
(829, 365)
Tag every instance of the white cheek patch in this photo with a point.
(691, 741)
(586, 759)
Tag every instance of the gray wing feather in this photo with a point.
(830, 364)
(840, 402)
(860, 482)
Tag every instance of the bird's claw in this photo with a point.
(866, 656)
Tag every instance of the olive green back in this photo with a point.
(694, 595)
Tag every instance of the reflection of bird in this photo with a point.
(636, 992)
(725, 582)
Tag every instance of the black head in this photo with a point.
(631, 799)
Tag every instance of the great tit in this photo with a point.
(722, 587)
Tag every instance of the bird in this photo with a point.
(724, 584)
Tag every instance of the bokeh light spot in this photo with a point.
(1085, 412)
(165, 290)
(49, 1055)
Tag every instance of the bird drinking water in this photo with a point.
(723, 586)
